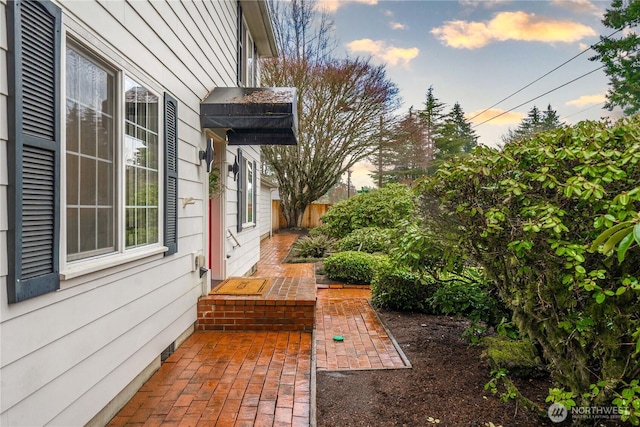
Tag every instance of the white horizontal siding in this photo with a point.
(67, 354)
(90, 301)
(241, 258)
(264, 209)
(4, 130)
(191, 175)
(99, 366)
(4, 206)
(133, 366)
(3, 175)
(3, 18)
(69, 358)
(191, 226)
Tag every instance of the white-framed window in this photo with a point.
(249, 217)
(142, 186)
(112, 158)
(90, 155)
(247, 54)
(250, 60)
(70, 214)
(247, 192)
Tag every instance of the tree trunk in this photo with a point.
(293, 215)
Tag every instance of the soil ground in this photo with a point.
(446, 383)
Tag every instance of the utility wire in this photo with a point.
(583, 110)
(545, 75)
(539, 96)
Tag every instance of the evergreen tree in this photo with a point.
(457, 135)
(550, 119)
(432, 119)
(621, 56)
(535, 122)
(530, 124)
(404, 152)
(423, 140)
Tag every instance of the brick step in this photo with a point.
(288, 305)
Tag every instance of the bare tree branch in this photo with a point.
(341, 102)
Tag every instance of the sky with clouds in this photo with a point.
(477, 52)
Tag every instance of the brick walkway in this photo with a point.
(228, 379)
(366, 345)
(262, 378)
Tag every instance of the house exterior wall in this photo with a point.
(65, 355)
(241, 260)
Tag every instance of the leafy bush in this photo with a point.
(466, 298)
(399, 289)
(321, 230)
(368, 239)
(382, 208)
(528, 214)
(353, 267)
(313, 247)
(426, 251)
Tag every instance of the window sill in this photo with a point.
(93, 265)
(248, 226)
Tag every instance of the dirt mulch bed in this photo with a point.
(446, 383)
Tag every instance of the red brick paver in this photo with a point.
(347, 313)
(273, 251)
(228, 379)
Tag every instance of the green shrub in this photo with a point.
(399, 289)
(353, 267)
(466, 298)
(313, 247)
(528, 214)
(321, 230)
(382, 208)
(368, 239)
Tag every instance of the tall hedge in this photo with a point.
(528, 214)
(382, 208)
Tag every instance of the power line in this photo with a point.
(583, 110)
(539, 96)
(546, 93)
(533, 82)
(546, 74)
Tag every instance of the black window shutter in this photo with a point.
(241, 180)
(34, 29)
(170, 174)
(254, 184)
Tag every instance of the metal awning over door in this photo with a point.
(252, 116)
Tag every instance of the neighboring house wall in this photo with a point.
(268, 192)
(66, 354)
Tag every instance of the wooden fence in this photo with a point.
(310, 219)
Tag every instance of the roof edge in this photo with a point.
(256, 13)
